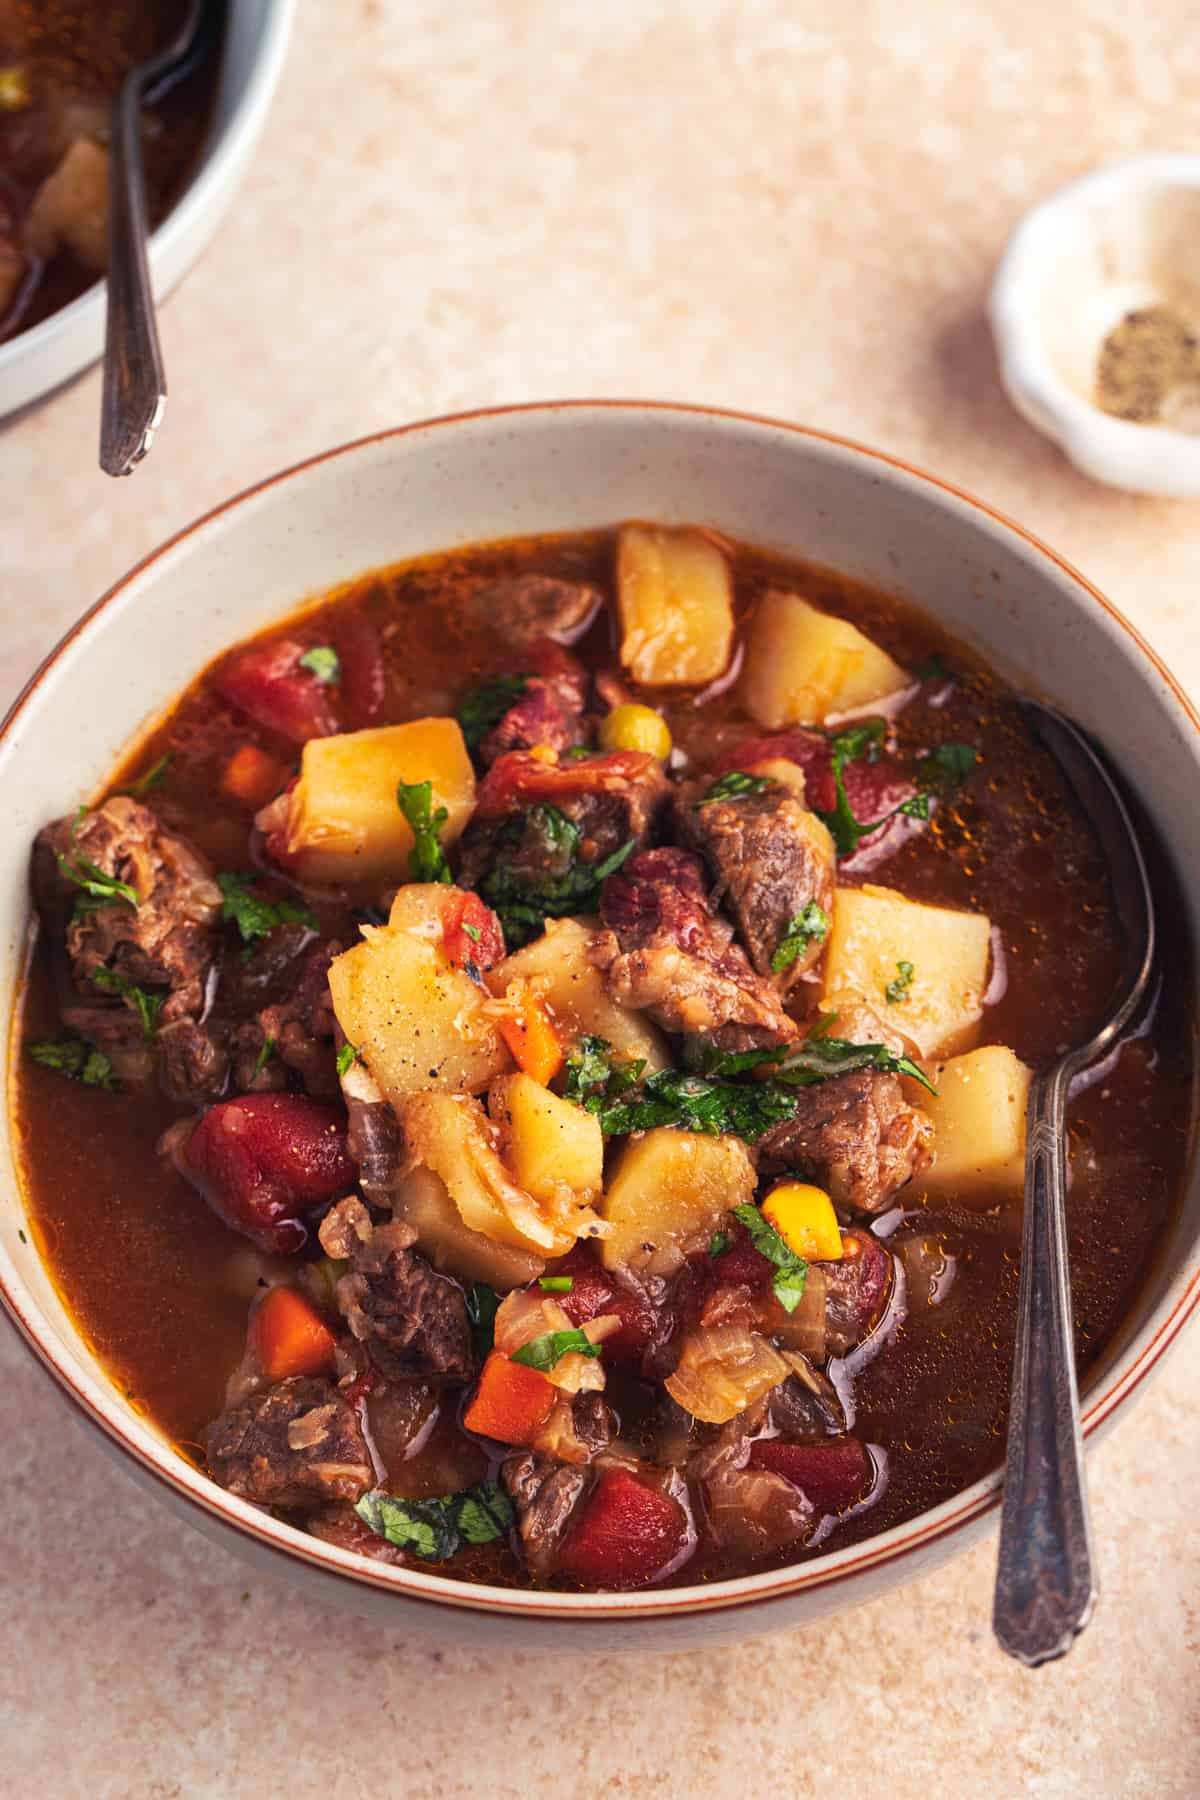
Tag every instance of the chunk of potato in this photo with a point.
(71, 207)
(675, 603)
(344, 826)
(418, 1022)
(802, 665)
(554, 1149)
(557, 965)
(670, 1190)
(979, 1127)
(423, 1201)
(938, 1003)
(452, 1135)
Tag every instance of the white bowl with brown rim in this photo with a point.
(512, 472)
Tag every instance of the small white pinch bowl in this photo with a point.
(256, 38)
(1123, 237)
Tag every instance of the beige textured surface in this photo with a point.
(783, 207)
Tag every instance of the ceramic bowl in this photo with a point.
(1123, 237)
(35, 361)
(562, 467)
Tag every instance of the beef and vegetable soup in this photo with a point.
(61, 65)
(525, 1072)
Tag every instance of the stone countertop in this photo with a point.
(794, 210)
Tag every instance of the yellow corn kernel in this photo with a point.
(634, 727)
(805, 1220)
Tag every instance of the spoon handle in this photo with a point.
(1045, 1587)
(135, 383)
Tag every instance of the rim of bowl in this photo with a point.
(157, 1458)
(215, 172)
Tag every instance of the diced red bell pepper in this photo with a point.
(268, 683)
(628, 1534)
(264, 1161)
(593, 1292)
(362, 682)
(471, 934)
(832, 1475)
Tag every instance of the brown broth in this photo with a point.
(157, 1284)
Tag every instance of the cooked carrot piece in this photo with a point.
(252, 776)
(530, 1035)
(511, 1403)
(290, 1337)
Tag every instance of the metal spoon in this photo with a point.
(135, 382)
(1045, 1586)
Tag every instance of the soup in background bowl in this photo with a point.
(520, 1085)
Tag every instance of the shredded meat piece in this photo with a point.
(806, 1404)
(545, 1495)
(770, 857)
(549, 712)
(668, 953)
(289, 1445)
(414, 1321)
(300, 1030)
(524, 608)
(857, 1135)
(166, 944)
(579, 1427)
(345, 1228)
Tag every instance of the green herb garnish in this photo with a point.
(146, 1005)
(154, 777)
(852, 745)
(590, 1071)
(735, 786)
(949, 765)
(674, 1097)
(805, 928)
(897, 990)
(473, 932)
(437, 1529)
(485, 706)
(483, 1303)
(262, 1059)
(556, 1284)
(717, 1242)
(524, 901)
(822, 1058)
(543, 1352)
(77, 1060)
(323, 662)
(791, 1271)
(96, 888)
(345, 1058)
(934, 668)
(426, 860)
(254, 916)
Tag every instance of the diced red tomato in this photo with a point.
(520, 776)
(471, 934)
(593, 1292)
(264, 1161)
(290, 1337)
(833, 1475)
(362, 683)
(511, 1402)
(627, 1535)
(268, 683)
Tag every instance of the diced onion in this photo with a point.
(722, 1370)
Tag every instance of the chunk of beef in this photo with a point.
(857, 1290)
(414, 1321)
(545, 1495)
(290, 1445)
(578, 1428)
(299, 1029)
(376, 1141)
(524, 608)
(668, 953)
(165, 944)
(193, 1063)
(771, 858)
(341, 1526)
(857, 1135)
(537, 823)
(549, 712)
(874, 790)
